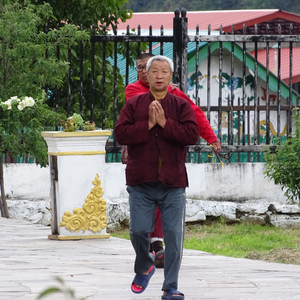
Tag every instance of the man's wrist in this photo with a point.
(151, 125)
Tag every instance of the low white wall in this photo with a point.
(232, 182)
(237, 192)
(26, 181)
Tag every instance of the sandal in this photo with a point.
(160, 259)
(142, 280)
(170, 295)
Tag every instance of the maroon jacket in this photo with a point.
(144, 145)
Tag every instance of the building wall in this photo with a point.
(200, 78)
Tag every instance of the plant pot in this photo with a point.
(77, 162)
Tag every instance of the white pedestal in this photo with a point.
(77, 163)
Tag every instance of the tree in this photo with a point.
(28, 64)
(103, 15)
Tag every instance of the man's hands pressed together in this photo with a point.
(156, 115)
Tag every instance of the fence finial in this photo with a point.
(183, 12)
(177, 12)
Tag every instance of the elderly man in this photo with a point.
(157, 126)
(142, 86)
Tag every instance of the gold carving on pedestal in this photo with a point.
(92, 216)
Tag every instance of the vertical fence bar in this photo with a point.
(150, 43)
(115, 82)
(57, 95)
(255, 91)
(103, 80)
(239, 128)
(161, 43)
(92, 103)
(81, 76)
(267, 89)
(278, 87)
(115, 91)
(289, 114)
(258, 128)
(139, 43)
(248, 129)
(127, 56)
(184, 61)
(244, 89)
(177, 48)
(220, 88)
(69, 84)
(46, 56)
(208, 95)
(197, 67)
(230, 114)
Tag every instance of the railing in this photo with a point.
(247, 103)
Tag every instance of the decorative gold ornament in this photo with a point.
(92, 216)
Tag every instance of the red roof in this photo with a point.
(215, 18)
(284, 62)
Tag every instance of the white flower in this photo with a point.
(8, 102)
(21, 105)
(14, 98)
(29, 101)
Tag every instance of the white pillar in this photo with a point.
(77, 164)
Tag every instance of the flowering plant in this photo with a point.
(21, 103)
(76, 122)
(22, 119)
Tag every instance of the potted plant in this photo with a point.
(75, 123)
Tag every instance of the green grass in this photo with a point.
(240, 240)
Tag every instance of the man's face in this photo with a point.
(141, 69)
(159, 75)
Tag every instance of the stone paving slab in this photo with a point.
(103, 269)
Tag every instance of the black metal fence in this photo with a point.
(247, 102)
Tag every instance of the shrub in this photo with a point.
(283, 165)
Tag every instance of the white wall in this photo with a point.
(232, 182)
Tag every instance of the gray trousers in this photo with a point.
(171, 202)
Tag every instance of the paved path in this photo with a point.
(103, 270)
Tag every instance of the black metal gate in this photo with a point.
(247, 104)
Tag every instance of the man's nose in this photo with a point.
(159, 75)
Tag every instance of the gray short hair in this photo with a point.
(160, 57)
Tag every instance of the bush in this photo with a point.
(283, 165)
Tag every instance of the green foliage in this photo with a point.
(97, 17)
(21, 122)
(76, 122)
(89, 13)
(73, 123)
(283, 166)
(62, 289)
(28, 63)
